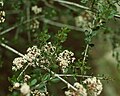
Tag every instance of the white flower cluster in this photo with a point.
(37, 93)
(34, 25)
(2, 13)
(16, 85)
(32, 56)
(84, 20)
(94, 86)
(1, 3)
(24, 88)
(18, 63)
(2, 16)
(26, 78)
(65, 58)
(35, 57)
(49, 48)
(36, 10)
(81, 91)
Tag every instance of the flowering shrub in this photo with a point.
(48, 61)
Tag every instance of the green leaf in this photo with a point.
(41, 85)
(46, 77)
(55, 80)
(61, 36)
(33, 82)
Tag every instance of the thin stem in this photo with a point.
(70, 7)
(9, 29)
(43, 20)
(16, 52)
(22, 71)
(57, 24)
(71, 75)
(47, 4)
(36, 86)
(11, 49)
(28, 18)
(85, 53)
(56, 75)
(17, 25)
(80, 6)
(83, 76)
(72, 3)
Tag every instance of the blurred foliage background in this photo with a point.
(19, 32)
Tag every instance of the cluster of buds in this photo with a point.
(34, 25)
(31, 58)
(34, 57)
(36, 9)
(65, 58)
(2, 13)
(49, 48)
(81, 90)
(24, 88)
(85, 20)
(37, 93)
(26, 78)
(94, 86)
(18, 63)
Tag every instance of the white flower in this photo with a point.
(16, 85)
(18, 63)
(94, 85)
(1, 2)
(68, 93)
(80, 92)
(81, 89)
(65, 58)
(32, 56)
(37, 93)
(26, 78)
(36, 10)
(35, 25)
(25, 89)
(49, 48)
(2, 16)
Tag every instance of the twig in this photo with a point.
(44, 20)
(117, 16)
(83, 76)
(36, 86)
(72, 3)
(9, 29)
(17, 25)
(16, 52)
(56, 75)
(85, 53)
(11, 49)
(28, 18)
(47, 4)
(57, 24)
(71, 75)
(70, 7)
(80, 6)
(22, 71)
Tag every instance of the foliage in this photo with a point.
(47, 61)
